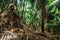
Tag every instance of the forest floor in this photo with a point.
(28, 34)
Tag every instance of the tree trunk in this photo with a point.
(42, 8)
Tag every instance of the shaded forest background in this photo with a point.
(40, 17)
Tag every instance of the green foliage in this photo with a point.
(53, 14)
